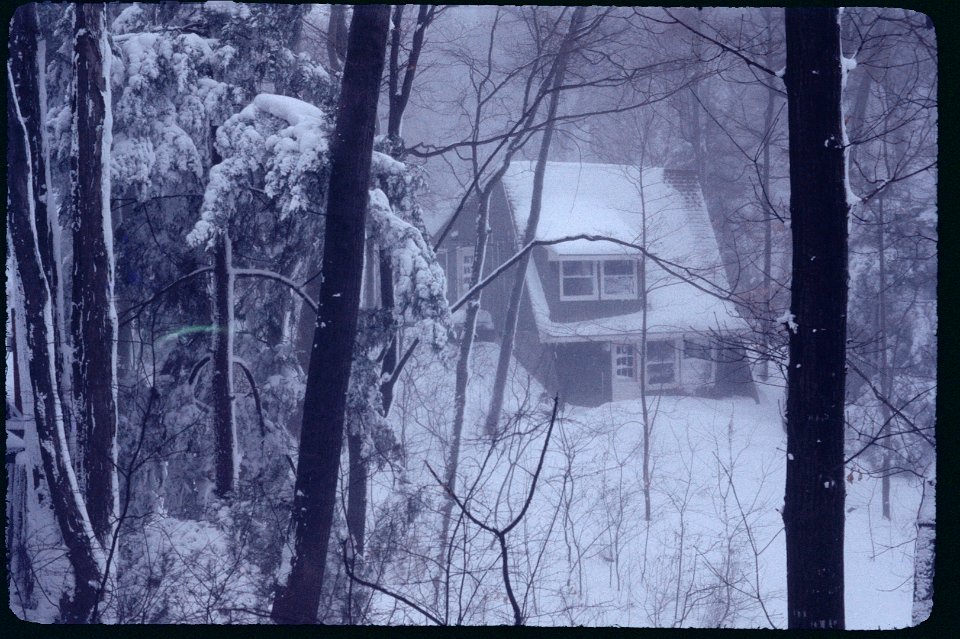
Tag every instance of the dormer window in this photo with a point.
(578, 280)
(618, 279)
(598, 280)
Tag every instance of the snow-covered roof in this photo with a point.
(605, 199)
(674, 307)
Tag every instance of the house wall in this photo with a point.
(571, 311)
(583, 372)
(500, 247)
(733, 373)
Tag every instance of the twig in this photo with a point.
(501, 535)
(270, 275)
(140, 306)
(379, 588)
(256, 394)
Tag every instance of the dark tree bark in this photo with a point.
(398, 99)
(224, 424)
(337, 36)
(83, 551)
(321, 436)
(400, 90)
(813, 509)
(530, 233)
(94, 320)
(27, 61)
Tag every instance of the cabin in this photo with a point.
(601, 319)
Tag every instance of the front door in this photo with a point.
(624, 362)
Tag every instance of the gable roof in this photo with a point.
(605, 199)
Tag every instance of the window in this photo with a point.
(694, 348)
(463, 268)
(661, 362)
(601, 279)
(466, 264)
(578, 280)
(618, 279)
(623, 362)
(698, 361)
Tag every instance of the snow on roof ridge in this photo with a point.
(582, 198)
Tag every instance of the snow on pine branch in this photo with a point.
(277, 142)
(419, 281)
(168, 99)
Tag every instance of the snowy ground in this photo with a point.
(713, 552)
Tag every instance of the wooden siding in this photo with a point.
(583, 372)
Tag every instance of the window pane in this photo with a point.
(578, 286)
(618, 267)
(619, 278)
(619, 285)
(624, 363)
(660, 351)
(582, 268)
(660, 373)
(697, 349)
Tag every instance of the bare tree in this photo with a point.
(400, 77)
(813, 510)
(924, 553)
(516, 293)
(224, 425)
(83, 549)
(28, 69)
(337, 37)
(330, 360)
(94, 319)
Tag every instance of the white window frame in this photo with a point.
(677, 354)
(597, 279)
(711, 352)
(463, 278)
(616, 353)
(594, 294)
(603, 282)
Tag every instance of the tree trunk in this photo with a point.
(400, 92)
(337, 37)
(83, 550)
(15, 346)
(27, 64)
(321, 436)
(813, 509)
(398, 99)
(460, 384)
(94, 318)
(224, 424)
(925, 551)
(642, 370)
(886, 374)
(536, 200)
(768, 325)
(697, 139)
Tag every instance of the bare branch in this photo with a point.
(727, 48)
(137, 309)
(381, 589)
(270, 275)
